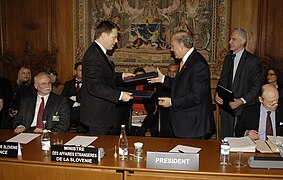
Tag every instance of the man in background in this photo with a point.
(264, 118)
(45, 106)
(72, 91)
(164, 126)
(241, 73)
(5, 98)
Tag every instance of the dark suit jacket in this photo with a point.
(191, 110)
(98, 93)
(247, 80)
(68, 91)
(56, 105)
(5, 92)
(249, 120)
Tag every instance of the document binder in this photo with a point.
(227, 97)
(141, 93)
(141, 77)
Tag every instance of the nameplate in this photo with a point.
(176, 161)
(9, 149)
(74, 154)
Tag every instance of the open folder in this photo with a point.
(141, 77)
(227, 96)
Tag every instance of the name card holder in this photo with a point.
(175, 161)
(9, 149)
(76, 154)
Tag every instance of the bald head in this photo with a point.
(42, 82)
(269, 97)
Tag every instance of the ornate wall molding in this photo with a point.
(146, 29)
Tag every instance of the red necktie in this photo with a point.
(78, 86)
(268, 124)
(39, 122)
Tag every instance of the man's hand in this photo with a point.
(128, 75)
(1, 104)
(126, 96)
(236, 103)
(253, 134)
(218, 99)
(157, 79)
(73, 98)
(38, 130)
(13, 112)
(164, 101)
(20, 129)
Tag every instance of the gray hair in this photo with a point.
(242, 33)
(183, 37)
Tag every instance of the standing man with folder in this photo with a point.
(98, 92)
(190, 103)
(241, 73)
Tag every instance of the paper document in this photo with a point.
(23, 138)
(242, 144)
(81, 140)
(273, 141)
(262, 147)
(185, 149)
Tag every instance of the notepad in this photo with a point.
(81, 140)
(185, 149)
(23, 138)
(241, 144)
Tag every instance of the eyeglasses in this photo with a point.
(271, 103)
(45, 84)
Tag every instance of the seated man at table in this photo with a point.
(45, 106)
(262, 119)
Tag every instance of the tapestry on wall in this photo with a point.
(147, 25)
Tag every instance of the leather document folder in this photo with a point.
(141, 93)
(227, 97)
(141, 77)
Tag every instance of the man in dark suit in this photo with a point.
(55, 112)
(72, 91)
(5, 98)
(99, 94)
(241, 73)
(253, 121)
(190, 102)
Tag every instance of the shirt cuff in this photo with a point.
(123, 76)
(163, 78)
(121, 94)
(244, 101)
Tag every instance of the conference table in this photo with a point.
(34, 165)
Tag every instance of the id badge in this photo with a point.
(55, 118)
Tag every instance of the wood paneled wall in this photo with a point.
(46, 25)
(37, 26)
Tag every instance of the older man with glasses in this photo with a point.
(262, 119)
(45, 106)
